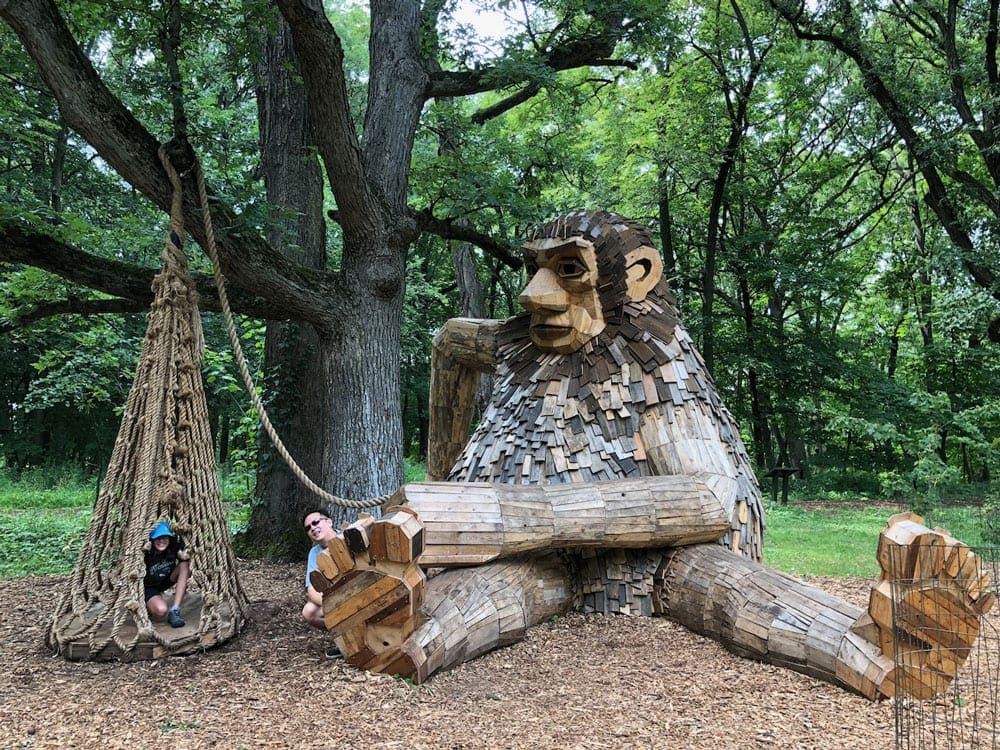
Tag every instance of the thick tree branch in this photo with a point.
(321, 61)
(451, 230)
(88, 106)
(71, 307)
(488, 113)
(985, 141)
(396, 84)
(593, 50)
(127, 281)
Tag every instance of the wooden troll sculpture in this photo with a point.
(607, 475)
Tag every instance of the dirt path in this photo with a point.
(578, 682)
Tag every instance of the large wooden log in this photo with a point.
(473, 523)
(470, 611)
(922, 620)
(762, 614)
(375, 606)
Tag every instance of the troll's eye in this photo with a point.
(530, 268)
(570, 268)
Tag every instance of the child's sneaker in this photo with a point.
(174, 617)
(334, 653)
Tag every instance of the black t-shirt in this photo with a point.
(160, 566)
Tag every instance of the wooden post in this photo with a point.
(784, 472)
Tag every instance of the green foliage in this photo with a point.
(65, 380)
(839, 483)
(235, 484)
(238, 518)
(40, 542)
(227, 396)
(414, 471)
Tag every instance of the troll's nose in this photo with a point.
(544, 292)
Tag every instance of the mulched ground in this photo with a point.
(577, 682)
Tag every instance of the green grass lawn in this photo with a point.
(841, 540)
(44, 520)
(41, 541)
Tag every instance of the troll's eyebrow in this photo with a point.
(550, 244)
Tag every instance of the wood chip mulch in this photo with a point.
(576, 682)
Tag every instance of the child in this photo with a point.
(166, 566)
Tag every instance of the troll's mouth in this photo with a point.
(550, 332)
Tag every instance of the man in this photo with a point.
(319, 528)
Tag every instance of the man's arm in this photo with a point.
(462, 350)
(312, 563)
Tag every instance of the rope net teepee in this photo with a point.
(162, 468)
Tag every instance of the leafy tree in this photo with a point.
(931, 67)
(354, 309)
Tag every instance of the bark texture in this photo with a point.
(292, 350)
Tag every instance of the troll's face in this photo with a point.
(563, 293)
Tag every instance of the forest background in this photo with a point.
(824, 183)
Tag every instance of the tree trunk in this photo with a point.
(470, 294)
(717, 208)
(293, 373)
(58, 168)
(759, 428)
(363, 443)
(666, 223)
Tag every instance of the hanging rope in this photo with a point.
(170, 41)
(234, 339)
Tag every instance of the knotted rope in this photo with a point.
(162, 467)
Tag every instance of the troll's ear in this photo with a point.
(643, 270)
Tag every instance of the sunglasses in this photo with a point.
(314, 524)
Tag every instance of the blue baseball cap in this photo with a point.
(161, 529)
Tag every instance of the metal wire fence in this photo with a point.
(946, 653)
